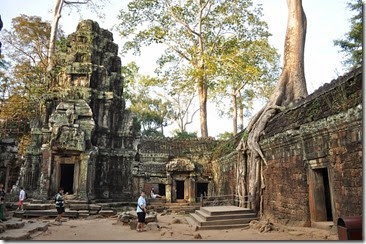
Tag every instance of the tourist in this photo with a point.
(153, 195)
(2, 201)
(21, 199)
(141, 212)
(60, 204)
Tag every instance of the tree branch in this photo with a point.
(178, 51)
(182, 22)
(77, 2)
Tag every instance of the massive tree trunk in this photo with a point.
(290, 87)
(53, 35)
(202, 95)
(235, 114)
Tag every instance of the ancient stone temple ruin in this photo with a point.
(85, 141)
(88, 143)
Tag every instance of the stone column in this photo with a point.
(191, 189)
(83, 173)
(45, 171)
(211, 190)
(168, 188)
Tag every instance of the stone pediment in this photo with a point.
(180, 165)
(71, 126)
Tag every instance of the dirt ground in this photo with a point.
(108, 229)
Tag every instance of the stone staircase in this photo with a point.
(222, 217)
(18, 229)
(160, 204)
(73, 209)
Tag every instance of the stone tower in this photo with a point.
(85, 142)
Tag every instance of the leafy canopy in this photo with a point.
(352, 44)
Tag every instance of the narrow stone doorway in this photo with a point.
(180, 189)
(328, 202)
(320, 195)
(162, 189)
(67, 177)
(201, 188)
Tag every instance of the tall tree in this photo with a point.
(290, 87)
(352, 44)
(192, 32)
(22, 82)
(245, 64)
(153, 113)
(57, 10)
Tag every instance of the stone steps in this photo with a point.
(17, 229)
(45, 213)
(225, 210)
(222, 217)
(208, 217)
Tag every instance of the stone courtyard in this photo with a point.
(88, 143)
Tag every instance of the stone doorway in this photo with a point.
(67, 177)
(321, 208)
(180, 189)
(201, 188)
(67, 173)
(162, 189)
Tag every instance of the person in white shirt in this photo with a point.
(153, 194)
(141, 212)
(21, 199)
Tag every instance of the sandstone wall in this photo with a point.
(324, 131)
(153, 155)
(9, 166)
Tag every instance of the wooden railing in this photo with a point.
(223, 200)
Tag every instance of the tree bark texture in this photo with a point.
(53, 35)
(235, 114)
(241, 116)
(290, 87)
(202, 95)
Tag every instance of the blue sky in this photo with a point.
(327, 20)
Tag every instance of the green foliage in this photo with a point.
(152, 112)
(203, 39)
(22, 75)
(225, 136)
(352, 44)
(185, 134)
(228, 146)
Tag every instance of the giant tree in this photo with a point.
(191, 31)
(291, 86)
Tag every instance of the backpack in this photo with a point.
(26, 196)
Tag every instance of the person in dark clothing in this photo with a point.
(2, 201)
(60, 204)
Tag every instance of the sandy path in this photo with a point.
(107, 229)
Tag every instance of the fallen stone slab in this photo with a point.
(79, 206)
(17, 234)
(14, 223)
(153, 226)
(93, 212)
(38, 206)
(34, 227)
(95, 207)
(107, 212)
(126, 217)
